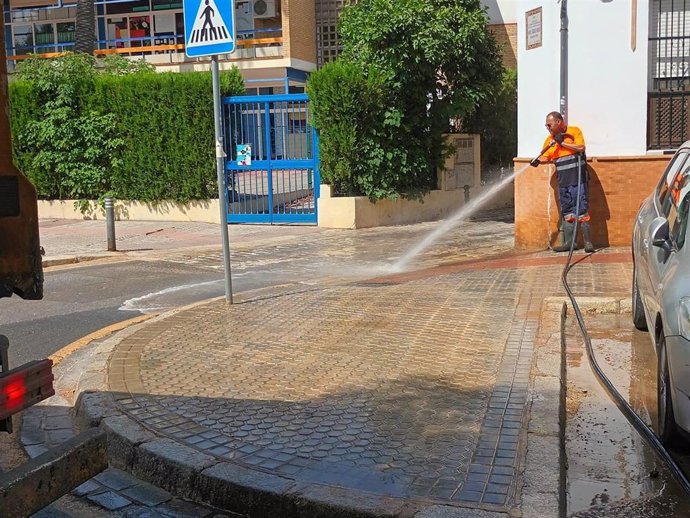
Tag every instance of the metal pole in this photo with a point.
(220, 166)
(564, 60)
(110, 224)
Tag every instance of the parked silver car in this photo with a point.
(661, 290)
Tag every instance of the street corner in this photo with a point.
(311, 387)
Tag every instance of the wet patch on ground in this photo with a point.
(612, 471)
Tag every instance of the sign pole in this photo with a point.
(220, 169)
(209, 28)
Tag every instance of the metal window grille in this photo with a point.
(669, 75)
(328, 45)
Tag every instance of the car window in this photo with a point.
(668, 178)
(678, 224)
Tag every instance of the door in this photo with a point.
(272, 164)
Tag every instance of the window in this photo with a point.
(42, 30)
(669, 74)
(45, 37)
(65, 32)
(23, 39)
(678, 227)
(668, 178)
(675, 205)
(140, 23)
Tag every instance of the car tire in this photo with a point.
(638, 317)
(666, 421)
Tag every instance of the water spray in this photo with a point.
(463, 213)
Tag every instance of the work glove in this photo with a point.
(558, 137)
(535, 162)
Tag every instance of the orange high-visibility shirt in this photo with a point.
(573, 135)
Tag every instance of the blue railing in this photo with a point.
(280, 184)
(144, 41)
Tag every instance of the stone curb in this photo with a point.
(542, 487)
(591, 305)
(188, 473)
(74, 259)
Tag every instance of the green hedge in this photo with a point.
(158, 131)
(408, 68)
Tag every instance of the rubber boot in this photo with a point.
(589, 247)
(568, 231)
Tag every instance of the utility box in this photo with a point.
(463, 166)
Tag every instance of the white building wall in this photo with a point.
(501, 11)
(607, 86)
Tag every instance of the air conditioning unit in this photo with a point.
(264, 8)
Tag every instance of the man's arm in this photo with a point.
(578, 140)
(574, 147)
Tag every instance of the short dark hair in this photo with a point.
(555, 115)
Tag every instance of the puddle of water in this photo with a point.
(609, 463)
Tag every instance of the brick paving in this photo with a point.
(415, 386)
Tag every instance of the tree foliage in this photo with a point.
(432, 61)
(127, 132)
(66, 147)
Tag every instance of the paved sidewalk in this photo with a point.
(69, 241)
(416, 394)
(385, 397)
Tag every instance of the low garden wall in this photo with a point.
(360, 212)
(334, 212)
(202, 211)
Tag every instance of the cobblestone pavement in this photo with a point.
(410, 386)
(308, 248)
(413, 385)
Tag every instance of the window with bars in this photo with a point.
(669, 75)
(328, 45)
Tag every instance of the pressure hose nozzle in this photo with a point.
(535, 162)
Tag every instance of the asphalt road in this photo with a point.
(80, 300)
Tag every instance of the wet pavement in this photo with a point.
(415, 386)
(612, 471)
(412, 386)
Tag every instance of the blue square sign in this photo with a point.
(209, 27)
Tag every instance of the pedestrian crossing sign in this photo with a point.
(209, 27)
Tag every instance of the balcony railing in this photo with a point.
(152, 45)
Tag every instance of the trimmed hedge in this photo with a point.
(162, 125)
(408, 68)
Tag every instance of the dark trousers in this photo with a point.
(567, 196)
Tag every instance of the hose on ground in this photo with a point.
(610, 389)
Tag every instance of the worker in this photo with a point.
(565, 148)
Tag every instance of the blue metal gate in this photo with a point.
(280, 181)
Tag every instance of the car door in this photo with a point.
(660, 260)
(650, 209)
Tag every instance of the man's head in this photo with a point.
(555, 123)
